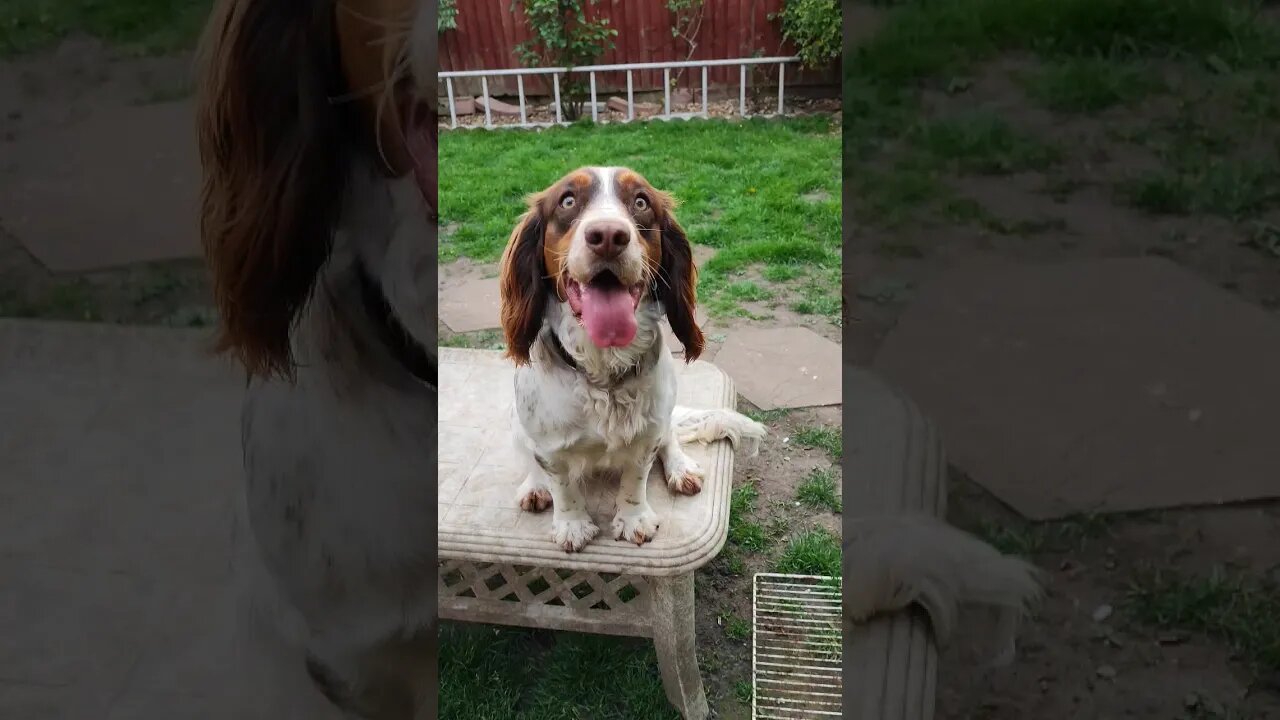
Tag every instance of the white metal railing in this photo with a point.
(628, 68)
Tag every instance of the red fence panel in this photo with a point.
(489, 30)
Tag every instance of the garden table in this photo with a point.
(895, 466)
(498, 564)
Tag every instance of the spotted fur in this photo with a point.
(601, 412)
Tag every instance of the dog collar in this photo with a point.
(558, 347)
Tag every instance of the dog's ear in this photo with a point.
(273, 153)
(522, 284)
(678, 285)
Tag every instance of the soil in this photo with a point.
(724, 589)
(1069, 664)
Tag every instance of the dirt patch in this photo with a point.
(724, 587)
(1071, 664)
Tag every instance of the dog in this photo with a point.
(317, 136)
(589, 271)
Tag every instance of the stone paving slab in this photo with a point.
(677, 347)
(789, 367)
(470, 306)
(121, 461)
(118, 188)
(1098, 386)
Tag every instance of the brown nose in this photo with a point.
(608, 237)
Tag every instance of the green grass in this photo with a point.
(735, 627)
(824, 438)
(813, 552)
(1028, 539)
(745, 533)
(64, 300)
(1090, 84)
(767, 416)
(503, 674)
(144, 26)
(1224, 187)
(1241, 610)
(984, 143)
(1079, 57)
(922, 40)
(765, 193)
(481, 339)
(819, 492)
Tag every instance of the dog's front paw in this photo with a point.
(685, 478)
(637, 524)
(573, 530)
(533, 497)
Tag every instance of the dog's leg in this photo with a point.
(684, 476)
(635, 520)
(571, 525)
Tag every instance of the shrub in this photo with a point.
(564, 37)
(447, 15)
(815, 26)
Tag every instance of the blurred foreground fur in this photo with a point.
(894, 561)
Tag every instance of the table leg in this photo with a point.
(673, 636)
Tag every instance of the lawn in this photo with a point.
(139, 26)
(765, 194)
(1054, 130)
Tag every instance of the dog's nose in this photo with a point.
(608, 237)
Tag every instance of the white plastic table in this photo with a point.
(498, 564)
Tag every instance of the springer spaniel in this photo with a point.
(586, 276)
(317, 135)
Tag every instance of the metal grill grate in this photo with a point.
(795, 647)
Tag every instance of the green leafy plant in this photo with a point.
(814, 26)
(447, 15)
(564, 37)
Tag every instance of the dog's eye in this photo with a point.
(641, 203)
(567, 201)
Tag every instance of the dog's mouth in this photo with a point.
(606, 308)
(420, 140)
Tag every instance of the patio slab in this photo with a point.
(120, 187)
(470, 306)
(1100, 386)
(788, 367)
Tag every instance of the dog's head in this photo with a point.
(291, 94)
(601, 240)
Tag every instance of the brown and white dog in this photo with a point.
(587, 275)
(317, 135)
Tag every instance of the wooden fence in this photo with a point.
(489, 30)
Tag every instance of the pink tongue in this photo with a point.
(608, 314)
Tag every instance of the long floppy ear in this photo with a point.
(678, 288)
(272, 148)
(522, 285)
